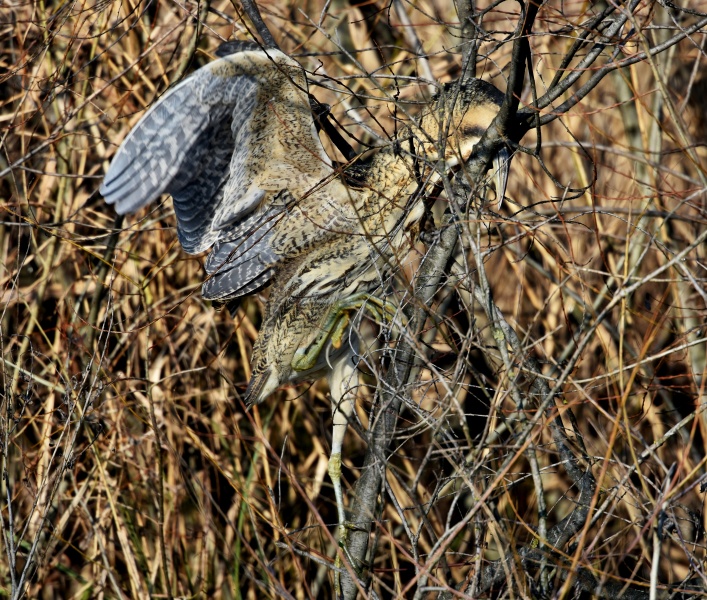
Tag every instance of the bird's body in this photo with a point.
(342, 256)
(236, 146)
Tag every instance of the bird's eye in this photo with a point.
(472, 131)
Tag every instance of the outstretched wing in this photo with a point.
(224, 143)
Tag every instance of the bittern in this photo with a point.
(236, 146)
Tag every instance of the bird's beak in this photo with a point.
(501, 166)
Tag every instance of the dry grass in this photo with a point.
(129, 465)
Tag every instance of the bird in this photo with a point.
(236, 146)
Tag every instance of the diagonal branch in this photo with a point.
(251, 9)
(393, 388)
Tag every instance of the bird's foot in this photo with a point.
(380, 309)
(336, 322)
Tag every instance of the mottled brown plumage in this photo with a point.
(236, 146)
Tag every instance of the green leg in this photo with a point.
(336, 322)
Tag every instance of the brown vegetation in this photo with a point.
(130, 468)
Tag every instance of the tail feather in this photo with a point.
(261, 385)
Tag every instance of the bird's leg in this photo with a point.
(342, 413)
(343, 379)
(381, 311)
(336, 322)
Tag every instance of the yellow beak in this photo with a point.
(501, 166)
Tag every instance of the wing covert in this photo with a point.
(224, 143)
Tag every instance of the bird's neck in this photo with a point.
(393, 170)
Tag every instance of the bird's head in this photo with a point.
(461, 113)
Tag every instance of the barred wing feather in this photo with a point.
(224, 143)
